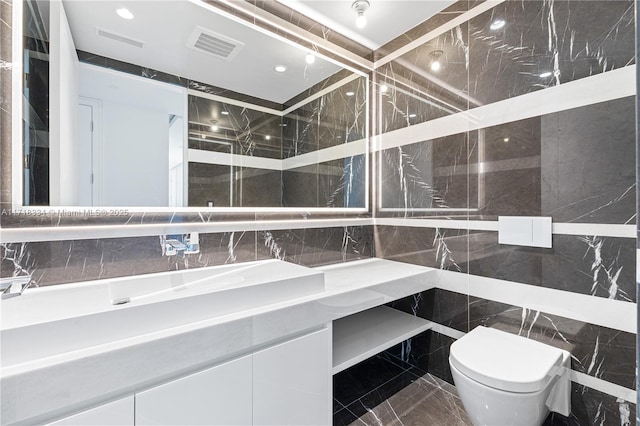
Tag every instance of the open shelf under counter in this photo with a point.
(362, 335)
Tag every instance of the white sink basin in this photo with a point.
(54, 320)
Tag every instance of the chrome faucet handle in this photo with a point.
(14, 286)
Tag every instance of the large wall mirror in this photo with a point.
(177, 104)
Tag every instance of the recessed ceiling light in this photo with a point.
(497, 24)
(225, 113)
(413, 115)
(350, 93)
(124, 13)
(546, 74)
(436, 64)
(384, 88)
(280, 68)
(360, 7)
(310, 58)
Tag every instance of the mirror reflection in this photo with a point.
(174, 104)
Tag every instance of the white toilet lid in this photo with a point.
(505, 361)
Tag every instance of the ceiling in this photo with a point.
(164, 28)
(386, 19)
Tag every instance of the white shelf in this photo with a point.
(360, 336)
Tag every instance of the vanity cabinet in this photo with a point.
(292, 382)
(285, 384)
(116, 413)
(221, 395)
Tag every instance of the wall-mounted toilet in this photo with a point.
(504, 379)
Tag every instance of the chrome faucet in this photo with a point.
(14, 286)
(183, 244)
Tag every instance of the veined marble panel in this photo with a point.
(592, 265)
(556, 165)
(337, 117)
(547, 43)
(315, 247)
(60, 262)
(434, 247)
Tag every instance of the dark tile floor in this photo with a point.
(397, 394)
(385, 391)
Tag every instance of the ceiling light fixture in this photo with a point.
(505, 140)
(435, 64)
(124, 13)
(360, 7)
(546, 74)
(497, 24)
(413, 115)
(214, 126)
(280, 68)
(268, 137)
(384, 88)
(350, 93)
(224, 112)
(310, 58)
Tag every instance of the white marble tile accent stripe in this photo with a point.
(602, 87)
(63, 233)
(235, 102)
(324, 155)
(447, 331)
(599, 229)
(483, 7)
(226, 159)
(604, 386)
(337, 152)
(321, 93)
(600, 385)
(614, 314)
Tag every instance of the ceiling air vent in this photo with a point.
(214, 44)
(118, 37)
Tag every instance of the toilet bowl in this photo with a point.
(504, 379)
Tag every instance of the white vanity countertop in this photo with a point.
(42, 388)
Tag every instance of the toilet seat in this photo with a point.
(505, 361)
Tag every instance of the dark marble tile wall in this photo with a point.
(597, 266)
(57, 262)
(569, 39)
(415, 94)
(556, 165)
(433, 247)
(335, 118)
(223, 127)
(317, 246)
(426, 177)
(432, 23)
